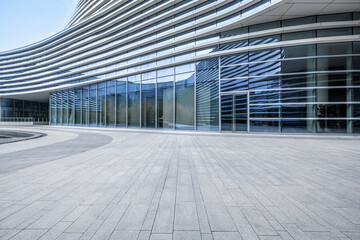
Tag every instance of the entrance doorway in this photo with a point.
(235, 112)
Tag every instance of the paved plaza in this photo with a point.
(77, 183)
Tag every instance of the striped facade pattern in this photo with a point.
(194, 65)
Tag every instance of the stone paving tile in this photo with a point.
(181, 186)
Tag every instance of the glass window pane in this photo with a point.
(58, 107)
(65, 107)
(299, 51)
(110, 103)
(184, 101)
(264, 126)
(298, 21)
(85, 105)
(148, 103)
(121, 102)
(207, 95)
(165, 102)
(92, 105)
(77, 106)
(71, 107)
(335, 17)
(298, 126)
(134, 101)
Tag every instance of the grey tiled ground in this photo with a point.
(179, 186)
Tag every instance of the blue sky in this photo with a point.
(23, 22)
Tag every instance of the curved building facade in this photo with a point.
(214, 65)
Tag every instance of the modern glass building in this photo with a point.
(206, 65)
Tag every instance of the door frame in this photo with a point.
(233, 94)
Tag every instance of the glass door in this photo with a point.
(234, 112)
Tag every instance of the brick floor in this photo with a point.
(78, 183)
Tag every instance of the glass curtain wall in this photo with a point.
(77, 106)
(134, 91)
(207, 95)
(85, 105)
(92, 105)
(52, 108)
(148, 96)
(71, 107)
(58, 107)
(184, 96)
(110, 103)
(65, 106)
(165, 98)
(121, 86)
(101, 104)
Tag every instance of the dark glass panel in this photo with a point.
(265, 55)
(332, 79)
(234, 72)
(234, 32)
(298, 21)
(299, 51)
(234, 59)
(264, 83)
(207, 95)
(331, 95)
(356, 78)
(335, 17)
(101, 104)
(77, 106)
(7, 107)
(331, 126)
(227, 113)
(165, 102)
(334, 48)
(334, 32)
(331, 110)
(298, 126)
(264, 26)
(264, 68)
(71, 106)
(264, 126)
(92, 105)
(85, 105)
(298, 35)
(291, 96)
(232, 45)
(28, 107)
(356, 126)
(65, 107)
(298, 66)
(265, 97)
(58, 107)
(356, 110)
(184, 101)
(298, 111)
(333, 64)
(265, 111)
(134, 101)
(357, 94)
(148, 103)
(303, 80)
(234, 85)
(264, 40)
(110, 103)
(18, 108)
(241, 112)
(52, 108)
(121, 102)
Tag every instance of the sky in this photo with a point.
(23, 22)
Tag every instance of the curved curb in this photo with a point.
(12, 139)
